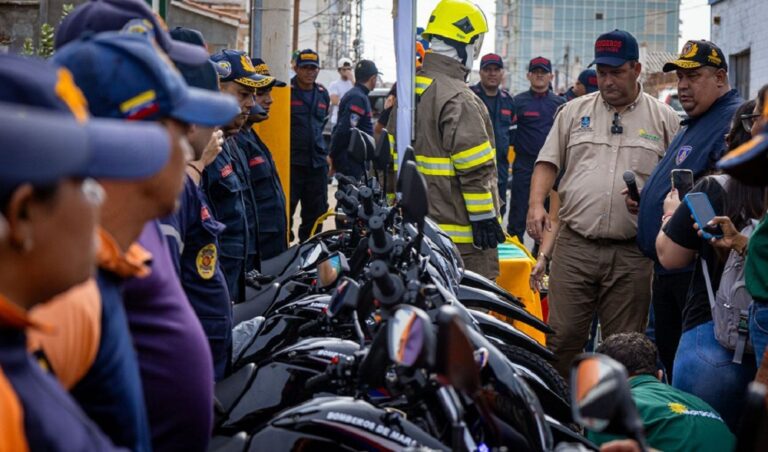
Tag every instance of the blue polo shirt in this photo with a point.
(697, 146)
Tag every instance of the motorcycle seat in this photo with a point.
(229, 390)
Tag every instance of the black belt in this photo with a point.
(605, 242)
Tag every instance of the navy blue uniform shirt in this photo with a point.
(697, 146)
(354, 111)
(111, 392)
(52, 420)
(309, 112)
(500, 111)
(533, 116)
(230, 198)
(268, 194)
(193, 241)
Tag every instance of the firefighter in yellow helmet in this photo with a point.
(454, 137)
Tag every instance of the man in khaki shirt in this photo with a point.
(596, 265)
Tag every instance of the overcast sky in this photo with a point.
(379, 43)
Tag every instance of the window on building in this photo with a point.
(739, 72)
(598, 16)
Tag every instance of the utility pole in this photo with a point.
(276, 49)
(296, 6)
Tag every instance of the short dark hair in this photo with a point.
(633, 350)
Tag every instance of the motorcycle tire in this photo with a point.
(539, 366)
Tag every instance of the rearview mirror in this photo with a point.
(330, 269)
(383, 152)
(410, 338)
(415, 201)
(345, 297)
(455, 354)
(310, 256)
(600, 397)
(358, 149)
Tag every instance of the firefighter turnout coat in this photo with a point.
(455, 152)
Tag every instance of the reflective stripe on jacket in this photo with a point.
(454, 148)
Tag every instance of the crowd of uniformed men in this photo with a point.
(189, 201)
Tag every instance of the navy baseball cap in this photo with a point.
(112, 15)
(696, 54)
(491, 59)
(236, 66)
(540, 63)
(262, 68)
(126, 76)
(615, 48)
(364, 69)
(46, 131)
(307, 57)
(588, 78)
(200, 76)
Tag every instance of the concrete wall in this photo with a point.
(217, 34)
(18, 21)
(742, 26)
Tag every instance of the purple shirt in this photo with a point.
(174, 356)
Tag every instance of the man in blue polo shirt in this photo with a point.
(532, 118)
(498, 101)
(354, 112)
(710, 103)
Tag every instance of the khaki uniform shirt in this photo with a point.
(593, 159)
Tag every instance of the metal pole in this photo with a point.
(296, 6)
(257, 7)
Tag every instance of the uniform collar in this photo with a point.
(535, 94)
(714, 107)
(434, 62)
(295, 85)
(363, 87)
(639, 380)
(132, 263)
(629, 107)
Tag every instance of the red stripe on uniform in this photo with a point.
(258, 160)
(357, 109)
(226, 171)
(506, 112)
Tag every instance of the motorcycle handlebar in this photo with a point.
(346, 201)
(376, 226)
(382, 278)
(366, 196)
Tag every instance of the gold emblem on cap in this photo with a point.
(689, 50)
(714, 58)
(70, 94)
(247, 64)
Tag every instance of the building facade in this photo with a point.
(565, 31)
(738, 28)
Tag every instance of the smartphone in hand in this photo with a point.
(682, 181)
(703, 213)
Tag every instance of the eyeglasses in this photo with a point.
(748, 120)
(616, 127)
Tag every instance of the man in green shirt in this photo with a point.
(674, 420)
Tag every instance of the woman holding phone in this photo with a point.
(702, 366)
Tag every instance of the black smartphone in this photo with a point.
(682, 181)
(703, 213)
